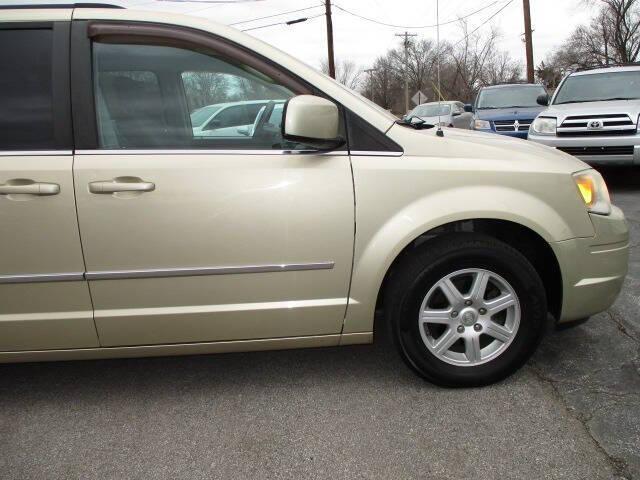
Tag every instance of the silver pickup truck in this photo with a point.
(593, 115)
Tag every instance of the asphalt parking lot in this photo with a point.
(354, 412)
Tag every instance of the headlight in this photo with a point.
(544, 125)
(481, 125)
(593, 191)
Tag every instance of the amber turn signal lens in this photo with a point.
(587, 189)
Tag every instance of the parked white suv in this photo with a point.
(593, 115)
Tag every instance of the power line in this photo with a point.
(275, 15)
(290, 22)
(414, 27)
(483, 23)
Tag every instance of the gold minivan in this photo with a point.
(171, 186)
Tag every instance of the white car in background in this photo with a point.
(447, 114)
(230, 119)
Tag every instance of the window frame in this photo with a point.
(85, 131)
(60, 85)
(84, 32)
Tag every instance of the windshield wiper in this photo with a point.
(418, 124)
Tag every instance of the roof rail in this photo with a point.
(611, 65)
(58, 5)
(515, 82)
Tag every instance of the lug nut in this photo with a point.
(454, 314)
(468, 303)
(460, 329)
(482, 311)
(477, 327)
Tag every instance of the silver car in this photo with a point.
(447, 114)
(594, 116)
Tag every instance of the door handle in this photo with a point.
(28, 187)
(122, 184)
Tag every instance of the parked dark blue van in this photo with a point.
(507, 109)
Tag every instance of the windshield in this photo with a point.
(433, 110)
(199, 116)
(595, 87)
(361, 97)
(506, 97)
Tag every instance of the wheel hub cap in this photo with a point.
(469, 317)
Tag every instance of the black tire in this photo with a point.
(420, 270)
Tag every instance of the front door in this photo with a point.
(44, 299)
(193, 237)
(461, 119)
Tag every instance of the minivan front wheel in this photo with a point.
(465, 309)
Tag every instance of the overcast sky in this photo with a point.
(362, 41)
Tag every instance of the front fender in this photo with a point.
(377, 248)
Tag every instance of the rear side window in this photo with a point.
(26, 90)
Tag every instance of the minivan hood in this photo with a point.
(511, 113)
(616, 107)
(486, 150)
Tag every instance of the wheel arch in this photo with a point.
(525, 240)
(528, 240)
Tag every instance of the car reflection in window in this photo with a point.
(236, 119)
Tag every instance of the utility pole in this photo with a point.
(528, 41)
(331, 60)
(369, 71)
(406, 36)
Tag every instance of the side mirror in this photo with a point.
(543, 100)
(456, 114)
(312, 120)
(244, 131)
(468, 108)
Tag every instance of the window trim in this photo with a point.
(181, 37)
(60, 87)
(83, 32)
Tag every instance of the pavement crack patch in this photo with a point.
(614, 318)
(618, 465)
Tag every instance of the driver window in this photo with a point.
(157, 96)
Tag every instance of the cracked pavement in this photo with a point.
(595, 368)
(353, 412)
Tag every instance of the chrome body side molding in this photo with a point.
(192, 272)
(163, 273)
(42, 277)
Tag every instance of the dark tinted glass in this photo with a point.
(510, 97)
(156, 96)
(598, 87)
(26, 99)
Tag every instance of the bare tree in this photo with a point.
(477, 62)
(612, 37)
(347, 72)
(206, 88)
(465, 67)
(386, 84)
